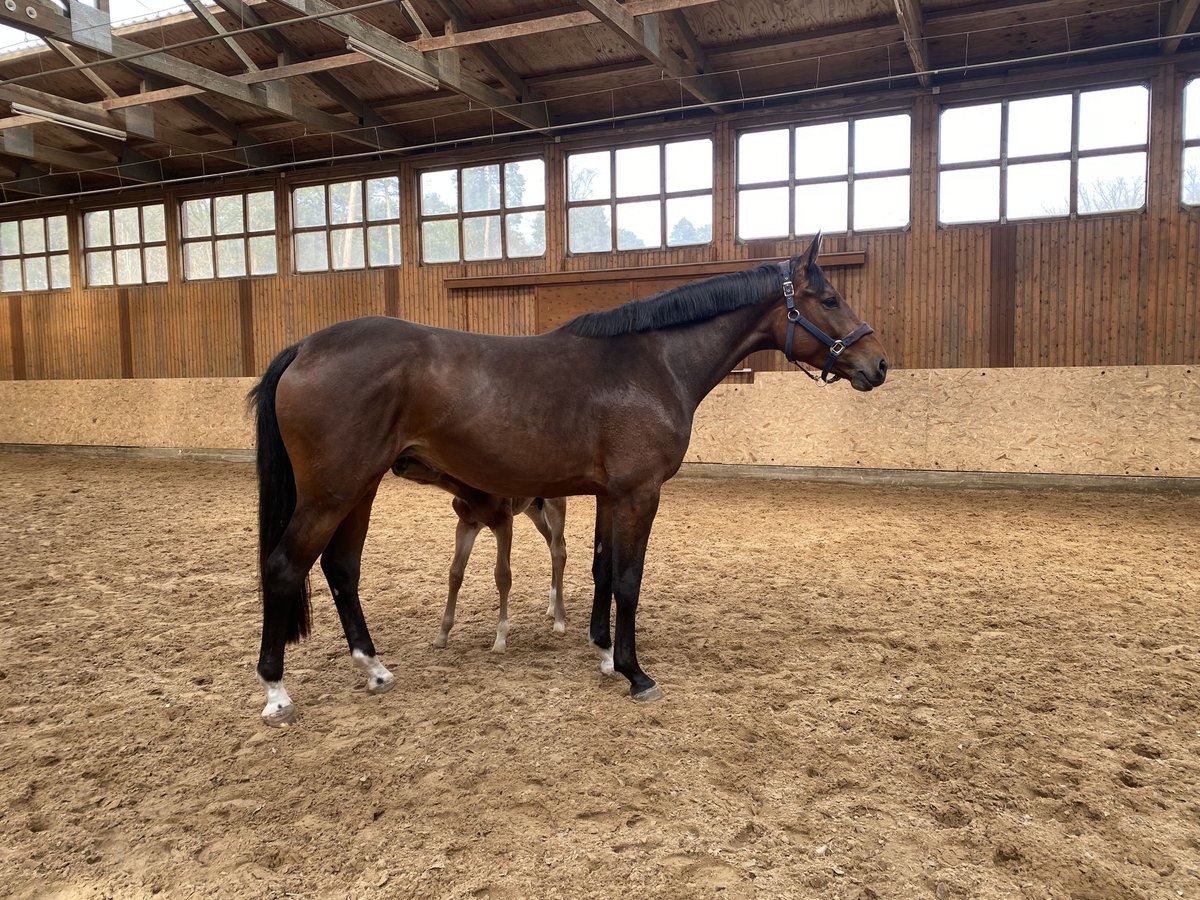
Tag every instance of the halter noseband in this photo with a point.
(835, 346)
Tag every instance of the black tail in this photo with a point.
(276, 486)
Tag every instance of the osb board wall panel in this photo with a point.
(1135, 420)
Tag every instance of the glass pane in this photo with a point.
(1117, 117)
(197, 261)
(881, 203)
(383, 245)
(1108, 183)
(261, 208)
(588, 176)
(154, 223)
(126, 229)
(1041, 125)
(639, 225)
(589, 229)
(33, 236)
(763, 213)
(262, 255)
(129, 266)
(230, 215)
(481, 237)
(882, 144)
(10, 275)
(346, 247)
(58, 232)
(308, 207)
(10, 238)
(968, 134)
(439, 193)
(312, 254)
(60, 271)
(345, 204)
(689, 220)
(1036, 190)
(969, 195)
(526, 233)
(100, 268)
(231, 258)
(383, 198)
(638, 172)
(36, 276)
(1191, 110)
(525, 183)
(439, 241)
(822, 150)
(690, 165)
(96, 230)
(1191, 176)
(822, 207)
(197, 218)
(480, 188)
(762, 157)
(156, 265)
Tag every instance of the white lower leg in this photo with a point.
(501, 637)
(279, 709)
(606, 658)
(379, 679)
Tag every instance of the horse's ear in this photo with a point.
(813, 251)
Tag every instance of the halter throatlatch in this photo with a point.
(835, 346)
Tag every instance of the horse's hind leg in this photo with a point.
(503, 533)
(551, 524)
(341, 562)
(464, 540)
(600, 630)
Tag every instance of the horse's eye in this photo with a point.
(830, 302)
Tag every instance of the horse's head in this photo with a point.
(818, 326)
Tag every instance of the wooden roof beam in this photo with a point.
(21, 143)
(1179, 22)
(644, 35)
(202, 13)
(908, 12)
(493, 60)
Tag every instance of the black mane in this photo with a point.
(687, 303)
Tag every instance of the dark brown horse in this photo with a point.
(600, 406)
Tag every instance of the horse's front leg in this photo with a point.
(464, 540)
(633, 515)
(551, 522)
(503, 533)
(599, 632)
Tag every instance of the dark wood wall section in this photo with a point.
(1108, 290)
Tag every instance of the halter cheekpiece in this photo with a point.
(835, 346)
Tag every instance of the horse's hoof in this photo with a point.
(381, 684)
(279, 715)
(499, 647)
(560, 627)
(650, 694)
(440, 641)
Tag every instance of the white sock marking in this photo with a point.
(278, 701)
(378, 676)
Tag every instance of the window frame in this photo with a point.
(850, 178)
(111, 248)
(663, 195)
(329, 227)
(503, 211)
(1186, 142)
(213, 236)
(1073, 155)
(47, 253)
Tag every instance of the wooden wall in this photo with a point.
(1109, 290)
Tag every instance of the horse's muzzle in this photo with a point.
(867, 378)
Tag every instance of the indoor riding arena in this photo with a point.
(895, 480)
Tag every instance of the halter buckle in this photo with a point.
(789, 289)
(836, 348)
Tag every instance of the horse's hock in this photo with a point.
(1130, 420)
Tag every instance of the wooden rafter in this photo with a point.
(644, 34)
(1179, 22)
(493, 60)
(21, 143)
(216, 27)
(908, 12)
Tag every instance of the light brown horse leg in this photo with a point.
(503, 533)
(551, 523)
(464, 540)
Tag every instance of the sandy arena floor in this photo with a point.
(889, 693)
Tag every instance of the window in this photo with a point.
(1190, 191)
(347, 224)
(229, 236)
(1083, 152)
(125, 246)
(484, 212)
(851, 175)
(33, 254)
(635, 198)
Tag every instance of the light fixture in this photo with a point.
(58, 118)
(397, 65)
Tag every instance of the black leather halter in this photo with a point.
(835, 346)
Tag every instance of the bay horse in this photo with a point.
(477, 510)
(602, 405)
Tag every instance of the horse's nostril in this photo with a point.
(883, 367)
